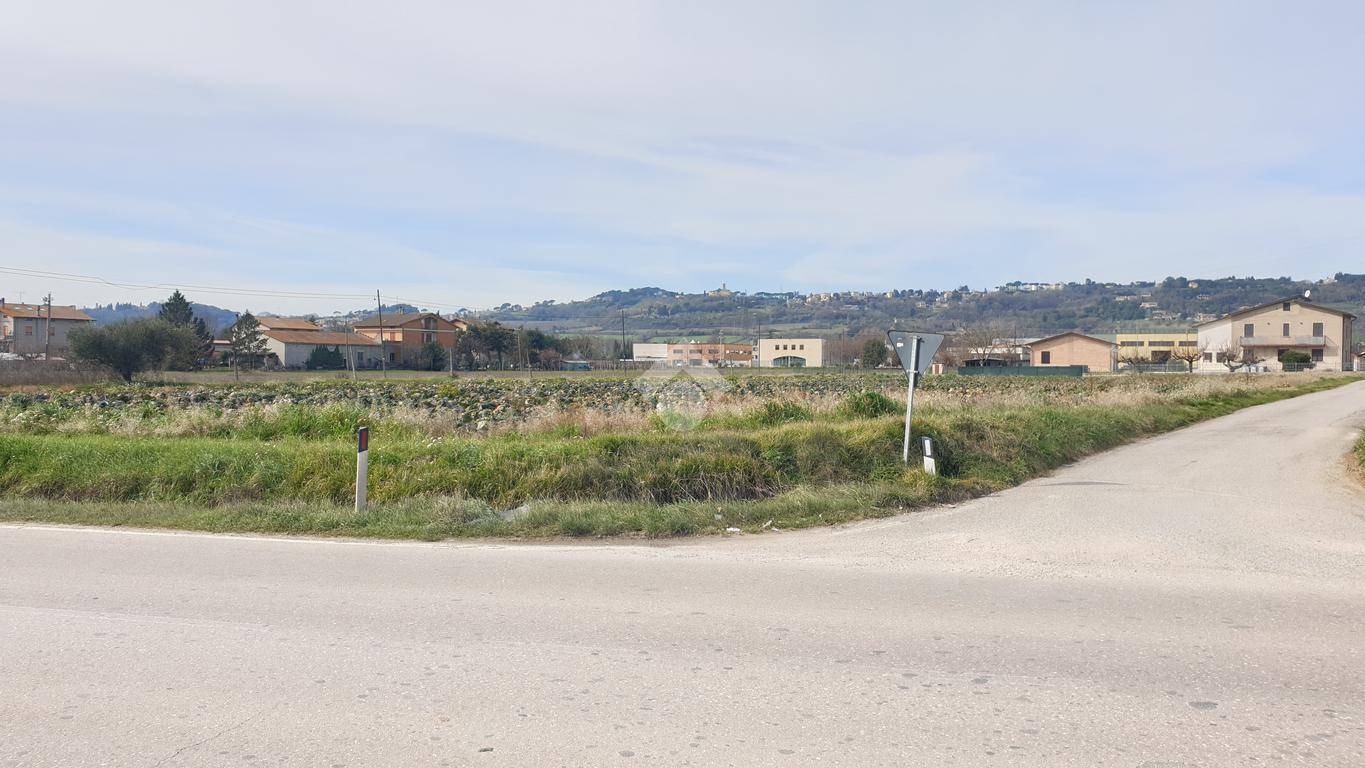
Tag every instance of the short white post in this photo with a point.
(362, 468)
(930, 460)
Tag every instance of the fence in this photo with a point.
(1023, 370)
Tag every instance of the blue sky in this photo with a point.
(469, 155)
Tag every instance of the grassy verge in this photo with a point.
(777, 467)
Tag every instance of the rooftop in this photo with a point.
(38, 310)
(321, 337)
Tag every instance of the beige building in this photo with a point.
(1073, 348)
(714, 354)
(26, 329)
(1278, 327)
(1155, 346)
(790, 353)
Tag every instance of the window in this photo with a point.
(1285, 306)
(1189, 343)
(1162, 344)
(28, 330)
(1208, 357)
(1317, 329)
(1130, 343)
(1046, 358)
(1249, 330)
(1317, 355)
(1286, 330)
(800, 346)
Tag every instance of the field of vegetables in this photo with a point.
(652, 455)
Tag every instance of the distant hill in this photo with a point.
(215, 317)
(218, 319)
(1175, 302)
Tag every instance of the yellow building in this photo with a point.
(1154, 346)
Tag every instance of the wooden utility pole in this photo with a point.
(47, 329)
(383, 353)
(621, 359)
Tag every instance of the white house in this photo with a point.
(291, 342)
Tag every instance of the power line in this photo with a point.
(215, 289)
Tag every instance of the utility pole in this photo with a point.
(623, 339)
(47, 329)
(383, 353)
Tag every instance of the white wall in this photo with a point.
(296, 355)
(1213, 337)
(811, 350)
(650, 351)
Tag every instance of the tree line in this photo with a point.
(177, 340)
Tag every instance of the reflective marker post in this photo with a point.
(362, 468)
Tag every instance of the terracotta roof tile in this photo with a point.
(329, 338)
(38, 310)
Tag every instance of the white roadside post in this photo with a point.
(930, 460)
(362, 468)
(916, 352)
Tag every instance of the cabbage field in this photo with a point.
(659, 454)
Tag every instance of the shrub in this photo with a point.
(868, 405)
(132, 347)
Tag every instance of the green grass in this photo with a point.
(778, 463)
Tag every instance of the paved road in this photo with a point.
(1197, 599)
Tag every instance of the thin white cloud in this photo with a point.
(526, 150)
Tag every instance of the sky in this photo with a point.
(462, 155)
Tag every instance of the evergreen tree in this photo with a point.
(248, 344)
(431, 357)
(176, 310)
(324, 359)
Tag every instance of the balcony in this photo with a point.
(1283, 341)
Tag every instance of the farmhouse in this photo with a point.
(1272, 329)
(404, 333)
(1073, 348)
(290, 343)
(26, 329)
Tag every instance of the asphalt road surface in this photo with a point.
(1192, 600)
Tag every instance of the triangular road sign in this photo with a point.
(902, 342)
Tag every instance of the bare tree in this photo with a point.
(1250, 358)
(1189, 355)
(1132, 357)
(1230, 355)
(981, 341)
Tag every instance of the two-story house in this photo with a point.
(403, 334)
(26, 329)
(1273, 329)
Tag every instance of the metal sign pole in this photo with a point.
(910, 397)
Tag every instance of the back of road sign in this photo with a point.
(903, 341)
